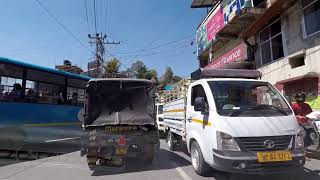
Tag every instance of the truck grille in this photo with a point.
(258, 143)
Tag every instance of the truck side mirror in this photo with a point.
(200, 105)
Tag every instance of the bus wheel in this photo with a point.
(198, 163)
(171, 141)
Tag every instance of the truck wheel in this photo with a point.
(149, 159)
(91, 161)
(198, 163)
(149, 154)
(162, 134)
(171, 141)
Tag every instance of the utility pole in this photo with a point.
(98, 40)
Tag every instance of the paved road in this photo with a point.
(167, 165)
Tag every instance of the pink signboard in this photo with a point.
(236, 54)
(214, 24)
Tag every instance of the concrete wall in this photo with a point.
(295, 43)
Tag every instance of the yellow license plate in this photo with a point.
(274, 156)
(121, 151)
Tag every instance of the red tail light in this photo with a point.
(121, 141)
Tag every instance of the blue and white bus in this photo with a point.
(39, 106)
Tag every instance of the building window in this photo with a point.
(271, 46)
(311, 13)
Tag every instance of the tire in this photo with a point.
(149, 154)
(171, 141)
(198, 163)
(91, 161)
(162, 135)
(149, 159)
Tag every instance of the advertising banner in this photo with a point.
(237, 54)
(231, 8)
(209, 28)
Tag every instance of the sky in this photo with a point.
(159, 33)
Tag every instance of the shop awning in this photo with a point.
(203, 3)
(274, 10)
(308, 75)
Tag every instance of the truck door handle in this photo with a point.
(190, 119)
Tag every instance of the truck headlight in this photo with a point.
(226, 142)
(299, 140)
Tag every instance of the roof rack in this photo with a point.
(225, 73)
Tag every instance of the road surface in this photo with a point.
(167, 165)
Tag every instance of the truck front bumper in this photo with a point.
(247, 163)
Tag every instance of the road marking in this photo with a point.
(181, 172)
(64, 139)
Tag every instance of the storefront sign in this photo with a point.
(209, 28)
(237, 54)
(231, 8)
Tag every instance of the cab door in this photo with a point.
(198, 123)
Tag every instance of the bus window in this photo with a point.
(11, 89)
(76, 96)
(48, 93)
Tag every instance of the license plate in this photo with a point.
(274, 156)
(121, 151)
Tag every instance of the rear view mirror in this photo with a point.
(200, 105)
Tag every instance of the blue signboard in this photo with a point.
(231, 8)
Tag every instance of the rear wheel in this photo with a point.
(198, 163)
(91, 161)
(149, 154)
(171, 141)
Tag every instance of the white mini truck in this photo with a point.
(232, 122)
(159, 116)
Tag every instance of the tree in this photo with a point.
(137, 70)
(141, 73)
(151, 74)
(112, 66)
(176, 79)
(167, 77)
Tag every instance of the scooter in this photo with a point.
(314, 130)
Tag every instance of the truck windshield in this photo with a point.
(248, 98)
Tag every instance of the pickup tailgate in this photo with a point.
(122, 140)
(174, 114)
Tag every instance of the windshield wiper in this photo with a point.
(271, 107)
(259, 107)
(237, 112)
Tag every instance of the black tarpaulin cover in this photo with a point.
(119, 101)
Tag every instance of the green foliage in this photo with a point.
(167, 77)
(176, 79)
(151, 74)
(112, 66)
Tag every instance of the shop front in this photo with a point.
(309, 84)
(236, 58)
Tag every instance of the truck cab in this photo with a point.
(237, 123)
(159, 110)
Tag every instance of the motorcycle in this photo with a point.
(313, 129)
